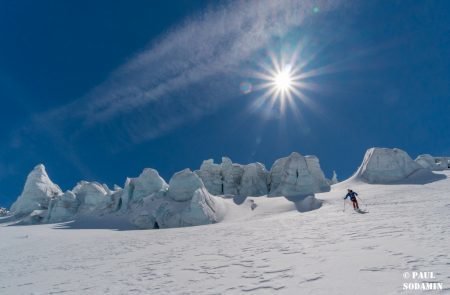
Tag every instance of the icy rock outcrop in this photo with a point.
(63, 207)
(183, 184)
(428, 162)
(384, 165)
(231, 175)
(36, 194)
(211, 175)
(293, 176)
(147, 183)
(321, 182)
(254, 180)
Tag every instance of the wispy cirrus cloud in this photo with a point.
(212, 43)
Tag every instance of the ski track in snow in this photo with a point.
(326, 251)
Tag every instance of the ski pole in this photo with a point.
(362, 203)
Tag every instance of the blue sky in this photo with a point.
(99, 90)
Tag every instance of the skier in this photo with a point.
(352, 195)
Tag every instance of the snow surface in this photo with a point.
(272, 249)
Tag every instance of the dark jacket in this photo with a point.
(352, 195)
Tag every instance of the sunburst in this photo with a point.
(282, 82)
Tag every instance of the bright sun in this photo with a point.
(283, 80)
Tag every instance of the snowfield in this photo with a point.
(273, 249)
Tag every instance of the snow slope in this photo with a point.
(272, 249)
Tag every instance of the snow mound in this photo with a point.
(36, 194)
(384, 165)
(309, 203)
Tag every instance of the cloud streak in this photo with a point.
(213, 43)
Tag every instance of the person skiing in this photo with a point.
(352, 195)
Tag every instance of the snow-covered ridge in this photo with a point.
(190, 198)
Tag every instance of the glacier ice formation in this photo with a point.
(190, 197)
(384, 166)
